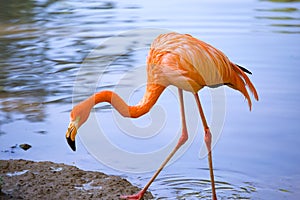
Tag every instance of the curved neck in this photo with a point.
(153, 91)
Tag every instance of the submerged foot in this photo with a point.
(137, 196)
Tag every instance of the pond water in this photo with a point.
(47, 62)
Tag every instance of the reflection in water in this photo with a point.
(38, 56)
(21, 73)
(283, 17)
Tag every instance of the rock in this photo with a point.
(25, 147)
(23, 179)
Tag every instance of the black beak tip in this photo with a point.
(71, 143)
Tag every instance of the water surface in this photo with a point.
(43, 45)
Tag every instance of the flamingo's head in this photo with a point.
(71, 133)
(78, 116)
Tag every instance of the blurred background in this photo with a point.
(43, 44)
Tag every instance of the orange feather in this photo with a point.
(185, 62)
(180, 60)
(190, 64)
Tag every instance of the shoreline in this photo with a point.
(25, 179)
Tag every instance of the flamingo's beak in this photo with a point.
(70, 135)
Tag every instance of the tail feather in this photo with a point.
(244, 69)
(242, 80)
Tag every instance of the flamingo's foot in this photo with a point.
(137, 196)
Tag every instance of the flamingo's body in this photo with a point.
(185, 62)
(190, 64)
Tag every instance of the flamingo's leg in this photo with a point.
(207, 139)
(182, 140)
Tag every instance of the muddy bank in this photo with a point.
(23, 179)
